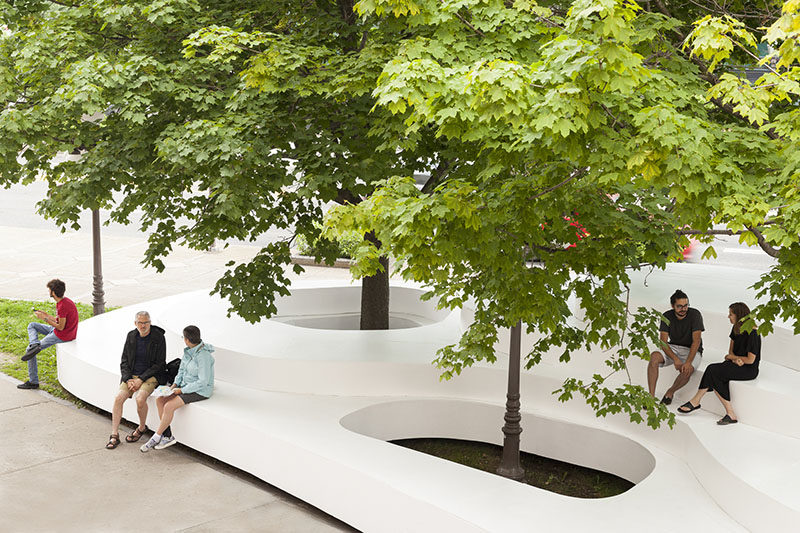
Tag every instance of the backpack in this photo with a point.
(171, 370)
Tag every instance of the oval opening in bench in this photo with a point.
(463, 420)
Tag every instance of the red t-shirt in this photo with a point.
(66, 309)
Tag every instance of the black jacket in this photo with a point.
(156, 356)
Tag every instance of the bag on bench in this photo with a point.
(171, 370)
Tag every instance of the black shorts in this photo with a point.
(191, 397)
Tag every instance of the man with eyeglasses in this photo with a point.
(681, 345)
(143, 360)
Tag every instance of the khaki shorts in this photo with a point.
(147, 387)
(681, 351)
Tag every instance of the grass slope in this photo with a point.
(14, 318)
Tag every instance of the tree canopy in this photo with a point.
(567, 143)
(220, 119)
(630, 119)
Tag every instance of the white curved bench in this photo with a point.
(313, 426)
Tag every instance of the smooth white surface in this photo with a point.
(306, 410)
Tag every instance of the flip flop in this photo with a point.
(725, 420)
(136, 435)
(687, 408)
(666, 400)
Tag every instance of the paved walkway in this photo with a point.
(31, 257)
(55, 474)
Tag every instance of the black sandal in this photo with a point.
(136, 435)
(687, 408)
(113, 442)
(725, 420)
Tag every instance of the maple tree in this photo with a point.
(633, 117)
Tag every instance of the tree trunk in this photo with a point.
(375, 294)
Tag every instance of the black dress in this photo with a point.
(718, 376)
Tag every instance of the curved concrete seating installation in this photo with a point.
(310, 410)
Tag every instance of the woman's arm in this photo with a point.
(731, 356)
(749, 359)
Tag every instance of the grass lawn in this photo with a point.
(549, 474)
(14, 318)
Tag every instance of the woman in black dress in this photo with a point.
(741, 364)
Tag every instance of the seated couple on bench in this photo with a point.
(682, 346)
(143, 368)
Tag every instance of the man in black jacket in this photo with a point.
(143, 360)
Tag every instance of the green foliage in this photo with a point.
(222, 120)
(14, 318)
(345, 245)
(600, 114)
(226, 119)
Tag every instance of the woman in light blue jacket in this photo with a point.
(194, 383)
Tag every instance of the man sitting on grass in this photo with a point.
(60, 328)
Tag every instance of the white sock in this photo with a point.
(157, 437)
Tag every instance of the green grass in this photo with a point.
(14, 318)
(545, 473)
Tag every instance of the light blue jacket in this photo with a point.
(196, 373)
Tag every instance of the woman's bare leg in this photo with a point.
(168, 411)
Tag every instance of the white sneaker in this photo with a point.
(149, 445)
(166, 442)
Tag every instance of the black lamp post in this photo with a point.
(510, 466)
(98, 303)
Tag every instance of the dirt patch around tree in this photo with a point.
(548, 474)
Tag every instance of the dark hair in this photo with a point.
(57, 286)
(677, 295)
(192, 334)
(741, 310)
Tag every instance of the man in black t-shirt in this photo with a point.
(681, 345)
(141, 367)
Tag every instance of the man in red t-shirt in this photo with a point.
(60, 328)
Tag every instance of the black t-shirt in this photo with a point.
(747, 342)
(140, 365)
(680, 331)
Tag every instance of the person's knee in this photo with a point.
(172, 406)
(120, 398)
(656, 359)
(141, 401)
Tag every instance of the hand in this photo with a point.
(129, 383)
(40, 314)
(176, 390)
(686, 368)
(739, 361)
(137, 383)
(678, 364)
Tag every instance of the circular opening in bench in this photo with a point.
(339, 308)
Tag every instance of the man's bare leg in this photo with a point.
(656, 359)
(682, 379)
(116, 412)
(141, 408)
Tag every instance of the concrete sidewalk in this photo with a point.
(55, 474)
(32, 257)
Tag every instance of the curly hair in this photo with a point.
(58, 287)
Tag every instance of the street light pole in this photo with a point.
(98, 304)
(510, 466)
